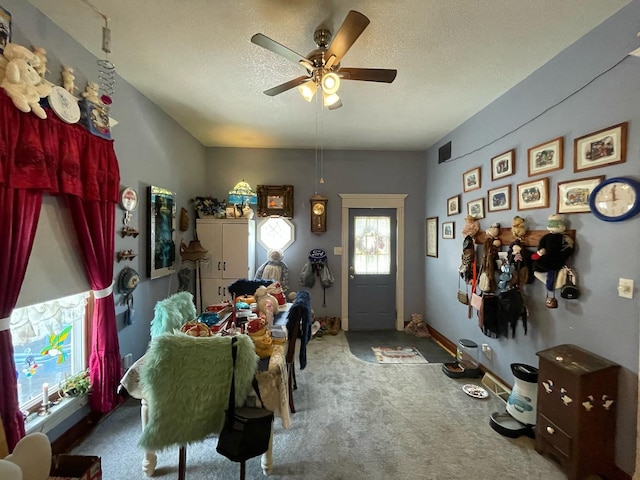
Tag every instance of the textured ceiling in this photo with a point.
(195, 60)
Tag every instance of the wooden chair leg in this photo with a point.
(182, 462)
(291, 386)
(242, 470)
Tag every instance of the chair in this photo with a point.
(176, 363)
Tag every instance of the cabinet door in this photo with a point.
(235, 250)
(210, 236)
(214, 291)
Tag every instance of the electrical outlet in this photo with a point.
(625, 287)
(488, 352)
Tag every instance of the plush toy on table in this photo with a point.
(21, 81)
(553, 251)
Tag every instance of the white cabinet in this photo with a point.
(232, 255)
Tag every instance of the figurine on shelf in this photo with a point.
(91, 94)
(518, 228)
(68, 79)
(41, 64)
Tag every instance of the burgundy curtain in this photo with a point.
(51, 156)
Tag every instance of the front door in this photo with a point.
(372, 269)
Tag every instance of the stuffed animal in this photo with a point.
(493, 232)
(471, 226)
(22, 83)
(518, 228)
(275, 269)
(68, 79)
(553, 251)
(32, 456)
(41, 64)
(91, 93)
(262, 296)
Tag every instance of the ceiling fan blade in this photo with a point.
(368, 74)
(275, 47)
(272, 92)
(349, 31)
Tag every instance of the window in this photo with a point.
(48, 345)
(372, 241)
(276, 233)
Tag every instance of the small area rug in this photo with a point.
(398, 355)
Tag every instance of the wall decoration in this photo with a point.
(573, 196)
(453, 205)
(534, 194)
(545, 157)
(471, 180)
(604, 147)
(432, 236)
(503, 165)
(275, 200)
(5, 28)
(161, 227)
(499, 199)
(615, 199)
(475, 208)
(448, 230)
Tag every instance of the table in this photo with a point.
(274, 389)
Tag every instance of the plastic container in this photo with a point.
(467, 354)
(523, 399)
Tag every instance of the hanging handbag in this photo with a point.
(569, 290)
(463, 296)
(247, 430)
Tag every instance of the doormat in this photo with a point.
(398, 355)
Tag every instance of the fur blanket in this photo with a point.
(186, 382)
(172, 312)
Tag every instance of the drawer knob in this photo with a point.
(550, 430)
(559, 358)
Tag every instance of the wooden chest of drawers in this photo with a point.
(576, 414)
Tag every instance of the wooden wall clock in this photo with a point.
(318, 213)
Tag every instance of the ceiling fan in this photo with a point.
(323, 63)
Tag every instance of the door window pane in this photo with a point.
(372, 237)
(48, 344)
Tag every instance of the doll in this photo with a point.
(471, 226)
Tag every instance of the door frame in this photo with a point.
(383, 200)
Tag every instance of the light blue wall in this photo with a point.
(599, 321)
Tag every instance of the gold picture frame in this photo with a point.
(573, 196)
(598, 149)
(275, 200)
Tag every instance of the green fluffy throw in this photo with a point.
(172, 312)
(186, 382)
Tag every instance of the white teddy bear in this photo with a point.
(21, 81)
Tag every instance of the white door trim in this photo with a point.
(389, 200)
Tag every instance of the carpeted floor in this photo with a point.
(360, 344)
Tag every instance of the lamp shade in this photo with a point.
(242, 194)
(330, 83)
(308, 90)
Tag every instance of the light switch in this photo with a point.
(625, 287)
(337, 250)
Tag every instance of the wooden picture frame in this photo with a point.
(161, 227)
(475, 208)
(546, 157)
(448, 230)
(503, 165)
(598, 149)
(471, 180)
(573, 195)
(499, 198)
(431, 224)
(534, 194)
(453, 205)
(5, 28)
(275, 200)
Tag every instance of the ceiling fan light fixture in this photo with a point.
(308, 90)
(330, 83)
(330, 99)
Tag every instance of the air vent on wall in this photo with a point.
(444, 152)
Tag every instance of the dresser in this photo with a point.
(576, 410)
(231, 249)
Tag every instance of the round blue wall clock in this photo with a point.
(615, 199)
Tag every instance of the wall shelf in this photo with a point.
(531, 239)
(126, 255)
(129, 232)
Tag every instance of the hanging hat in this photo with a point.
(128, 280)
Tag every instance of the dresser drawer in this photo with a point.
(553, 435)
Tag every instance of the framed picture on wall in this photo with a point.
(503, 165)
(604, 147)
(432, 236)
(275, 200)
(545, 157)
(475, 208)
(471, 180)
(161, 226)
(453, 205)
(534, 194)
(499, 199)
(448, 230)
(573, 196)
(5, 28)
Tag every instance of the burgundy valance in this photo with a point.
(54, 156)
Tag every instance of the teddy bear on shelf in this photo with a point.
(471, 226)
(518, 228)
(553, 251)
(21, 81)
